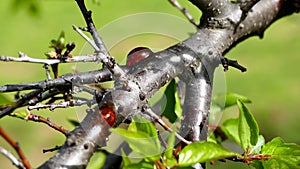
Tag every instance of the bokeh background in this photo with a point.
(272, 81)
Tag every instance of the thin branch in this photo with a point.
(12, 158)
(86, 38)
(24, 100)
(52, 107)
(16, 146)
(165, 126)
(63, 81)
(233, 63)
(35, 118)
(51, 149)
(91, 27)
(102, 53)
(26, 59)
(185, 12)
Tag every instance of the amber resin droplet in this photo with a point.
(109, 115)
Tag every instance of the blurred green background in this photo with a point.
(271, 82)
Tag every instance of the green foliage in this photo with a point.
(200, 152)
(248, 128)
(231, 129)
(169, 111)
(283, 155)
(230, 99)
(142, 138)
(97, 160)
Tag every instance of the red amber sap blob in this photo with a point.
(108, 114)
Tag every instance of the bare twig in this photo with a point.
(24, 58)
(102, 53)
(91, 42)
(51, 149)
(16, 146)
(63, 81)
(58, 105)
(35, 118)
(185, 12)
(165, 126)
(12, 158)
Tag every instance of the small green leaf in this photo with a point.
(171, 142)
(75, 123)
(230, 128)
(141, 124)
(61, 39)
(140, 165)
(230, 100)
(21, 115)
(283, 155)
(97, 161)
(169, 110)
(248, 128)
(140, 142)
(257, 164)
(257, 148)
(200, 152)
(125, 160)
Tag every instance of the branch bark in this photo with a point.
(193, 61)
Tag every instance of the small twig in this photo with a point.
(35, 118)
(102, 52)
(58, 105)
(16, 146)
(25, 99)
(91, 42)
(245, 6)
(24, 58)
(84, 78)
(51, 149)
(91, 27)
(47, 71)
(184, 11)
(233, 63)
(165, 126)
(12, 158)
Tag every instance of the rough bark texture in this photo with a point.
(194, 60)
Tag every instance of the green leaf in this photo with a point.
(143, 125)
(169, 111)
(230, 100)
(248, 128)
(140, 142)
(257, 164)
(230, 128)
(125, 160)
(200, 152)
(97, 161)
(61, 39)
(171, 142)
(75, 123)
(141, 165)
(21, 115)
(283, 155)
(257, 148)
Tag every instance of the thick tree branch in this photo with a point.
(193, 60)
(68, 79)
